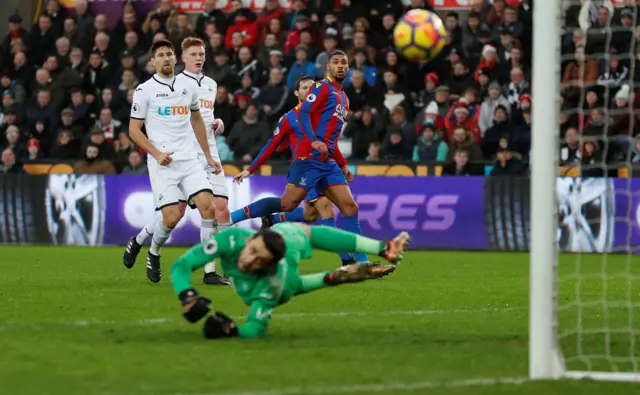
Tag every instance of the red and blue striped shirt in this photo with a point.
(322, 118)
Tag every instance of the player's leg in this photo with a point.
(327, 214)
(171, 215)
(307, 214)
(134, 245)
(299, 181)
(336, 189)
(223, 220)
(167, 194)
(355, 273)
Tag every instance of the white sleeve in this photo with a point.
(140, 104)
(195, 99)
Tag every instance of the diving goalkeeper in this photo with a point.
(263, 269)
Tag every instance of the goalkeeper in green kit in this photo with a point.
(263, 269)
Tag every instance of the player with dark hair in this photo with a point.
(263, 269)
(169, 108)
(286, 135)
(193, 56)
(318, 163)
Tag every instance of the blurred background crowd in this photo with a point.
(67, 81)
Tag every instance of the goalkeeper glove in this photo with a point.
(219, 325)
(194, 307)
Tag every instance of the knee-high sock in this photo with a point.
(148, 229)
(350, 223)
(311, 282)
(345, 256)
(207, 230)
(257, 209)
(332, 239)
(160, 236)
(296, 215)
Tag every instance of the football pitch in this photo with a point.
(75, 321)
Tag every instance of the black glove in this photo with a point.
(219, 325)
(194, 307)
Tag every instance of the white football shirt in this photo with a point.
(165, 105)
(207, 91)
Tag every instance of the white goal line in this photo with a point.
(377, 388)
(157, 321)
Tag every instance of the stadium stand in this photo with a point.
(67, 83)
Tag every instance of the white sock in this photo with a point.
(207, 230)
(160, 236)
(222, 226)
(148, 229)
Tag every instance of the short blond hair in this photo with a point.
(191, 42)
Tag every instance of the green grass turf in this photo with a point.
(75, 321)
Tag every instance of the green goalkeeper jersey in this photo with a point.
(261, 291)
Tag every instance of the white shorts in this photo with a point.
(177, 182)
(216, 181)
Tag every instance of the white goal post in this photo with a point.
(546, 359)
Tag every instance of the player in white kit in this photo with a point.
(193, 55)
(170, 111)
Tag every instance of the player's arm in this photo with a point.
(315, 102)
(342, 162)
(219, 325)
(139, 108)
(195, 307)
(281, 132)
(197, 123)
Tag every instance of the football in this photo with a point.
(419, 35)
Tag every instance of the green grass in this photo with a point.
(75, 321)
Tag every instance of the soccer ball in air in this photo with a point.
(419, 35)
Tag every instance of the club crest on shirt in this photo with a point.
(184, 92)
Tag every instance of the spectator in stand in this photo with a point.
(460, 165)
(462, 119)
(494, 135)
(97, 138)
(570, 154)
(42, 133)
(244, 25)
(301, 67)
(487, 110)
(14, 143)
(360, 63)
(462, 139)
(302, 22)
(471, 46)
(42, 40)
(165, 14)
(93, 163)
(249, 135)
(15, 31)
(246, 64)
(489, 60)
(135, 165)
(181, 30)
(10, 164)
(271, 10)
(269, 44)
(67, 147)
(360, 94)
(374, 152)
(33, 150)
(211, 14)
(394, 146)
(429, 147)
(273, 96)
(123, 146)
(364, 128)
(509, 163)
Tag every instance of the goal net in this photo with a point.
(585, 216)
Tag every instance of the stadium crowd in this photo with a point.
(67, 81)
